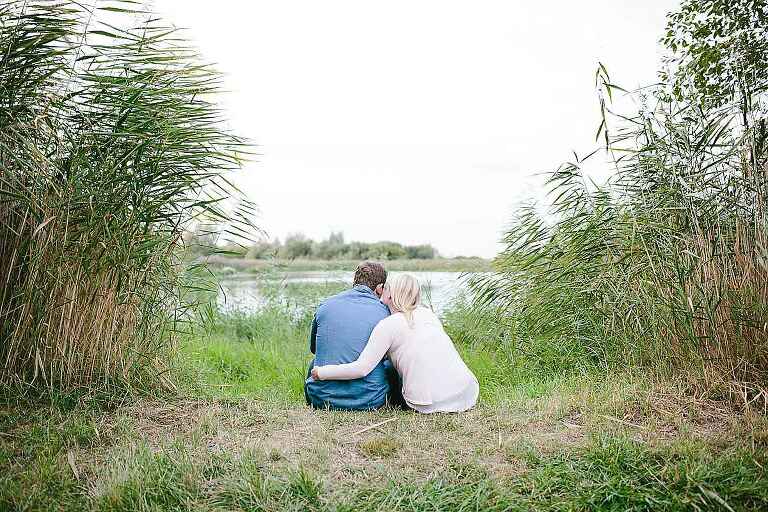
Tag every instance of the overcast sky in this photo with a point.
(414, 121)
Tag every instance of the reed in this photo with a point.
(664, 267)
(110, 145)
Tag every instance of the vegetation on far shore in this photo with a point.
(205, 240)
(227, 265)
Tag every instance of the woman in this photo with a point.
(435, 379)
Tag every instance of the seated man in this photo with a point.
(340, 331)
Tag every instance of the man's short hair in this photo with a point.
(371, 274)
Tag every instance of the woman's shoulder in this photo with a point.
(422, 315)
(393, 320)
(426, 314)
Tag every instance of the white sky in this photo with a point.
(414, 121)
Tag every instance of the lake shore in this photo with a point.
(224, 264)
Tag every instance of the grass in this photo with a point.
(249, 454)
(380, 447)
(237, 436)
(264, 356)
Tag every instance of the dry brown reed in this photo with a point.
(110, 145)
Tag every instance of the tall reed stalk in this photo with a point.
(665, 267)
(110, 145)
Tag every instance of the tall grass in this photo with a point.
(110, 145)
(663, 267)
(263, 353)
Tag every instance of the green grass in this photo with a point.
(380, 447)
(615, 473)
(237, 436)
(264, 356)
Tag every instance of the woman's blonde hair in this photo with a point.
(405, 292)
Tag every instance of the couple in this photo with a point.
(376, 343)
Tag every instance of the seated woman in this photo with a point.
(435, 379)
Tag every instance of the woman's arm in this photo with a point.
(372, 354)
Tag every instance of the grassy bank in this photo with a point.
(218, 454)
(225, 264)
(237, 436)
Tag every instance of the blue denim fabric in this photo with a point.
(340, 331)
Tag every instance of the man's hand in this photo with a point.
(315, 375)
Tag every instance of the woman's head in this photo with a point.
(402, 293)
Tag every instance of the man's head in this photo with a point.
(372, 275)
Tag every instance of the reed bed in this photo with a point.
(111, 144)
(663, 267)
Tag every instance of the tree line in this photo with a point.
(299, 246)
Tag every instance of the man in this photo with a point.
(340, 331)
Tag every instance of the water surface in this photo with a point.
(248, 293)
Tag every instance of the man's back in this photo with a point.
(341, 328)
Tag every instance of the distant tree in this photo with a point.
(356, 250)
(296, 245)
(420, 252)
(330, 249)
(386, 251)
(264, 250)
(336, 238)
(321, 251)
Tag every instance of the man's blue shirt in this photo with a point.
(340, 331)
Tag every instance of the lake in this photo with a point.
(248, 293)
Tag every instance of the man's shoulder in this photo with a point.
(353, 299)
(333, 299)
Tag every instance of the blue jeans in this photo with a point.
(394, 397)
